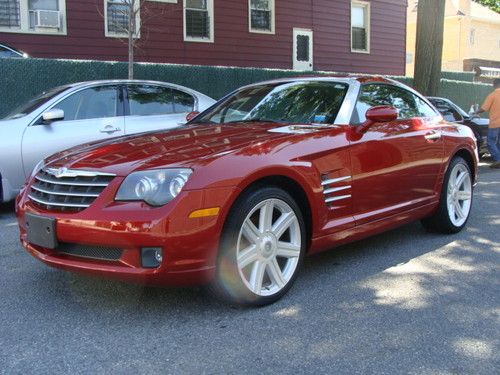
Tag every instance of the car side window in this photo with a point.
(425, 109)
(408, 104)
(447, 111)
(95, 102)
(148, 100)
(183, 102)
(5, 52)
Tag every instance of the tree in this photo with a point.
(492, 4)
(125, 18)
(429, 47)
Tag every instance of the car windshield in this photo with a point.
(34, 103)
(304, 102)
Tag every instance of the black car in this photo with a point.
(453, 113)
(7, 51)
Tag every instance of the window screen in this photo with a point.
(118, 14)
(197, 19)
(10, 13)
(359, 27)
(261, 15)
(302, 48)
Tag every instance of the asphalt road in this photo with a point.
(401, 302)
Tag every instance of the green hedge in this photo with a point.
(21, 79)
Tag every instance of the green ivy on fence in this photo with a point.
(21, 79)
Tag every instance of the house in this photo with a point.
(471, 37)
(340, 35)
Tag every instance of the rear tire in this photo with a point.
(455, 202)
(262, 248)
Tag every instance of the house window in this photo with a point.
(10, 14)
(33, 16)
(472, 37)
(360, 26)
(117, 13)
(43, 13)
(199, 20)
(261, 15)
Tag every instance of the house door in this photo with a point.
(302, 49)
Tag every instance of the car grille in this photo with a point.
(88, 251)
(67, 190)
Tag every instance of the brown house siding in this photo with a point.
(162, 36)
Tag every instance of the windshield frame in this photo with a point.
(342, 116)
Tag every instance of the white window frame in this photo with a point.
(24, 22)
(210, 6)
(273, 22)
(108, 34)
(367, 6)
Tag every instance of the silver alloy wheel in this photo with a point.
(459, 195)
(268, 247)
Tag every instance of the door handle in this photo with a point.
(433, 136)
(109, 129)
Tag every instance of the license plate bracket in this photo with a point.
(41, 231)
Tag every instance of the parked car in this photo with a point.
(237, 197)
(7, 51)
(453, 113)
(83, 112)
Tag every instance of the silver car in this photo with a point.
(83, 112)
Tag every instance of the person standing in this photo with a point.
(492, 106)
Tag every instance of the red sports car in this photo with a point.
(237, 197)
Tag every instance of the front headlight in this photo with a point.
(155, 187)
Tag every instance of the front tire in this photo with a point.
(262, 248)
(455, 201)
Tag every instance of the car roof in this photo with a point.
(343, 78)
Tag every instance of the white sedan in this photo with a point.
(84, 112)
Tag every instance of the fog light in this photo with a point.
(151, 257)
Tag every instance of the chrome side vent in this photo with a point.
(335, 189)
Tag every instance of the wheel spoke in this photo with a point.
(247, 256)
(266, 217)
(257, 276)
(275, 274)
(464, 195)
(458, 211)
(283, 223)
(460, 179)
(250, 231)
(288, 250)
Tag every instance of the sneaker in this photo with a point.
(495, 165)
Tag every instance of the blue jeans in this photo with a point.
(494, 143)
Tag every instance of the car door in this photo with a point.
(152, 107)
(395, 165)
(90, 114)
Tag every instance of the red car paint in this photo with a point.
(395, 177)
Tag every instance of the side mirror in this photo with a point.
(381, 113)
(53, 115)
(191, 115)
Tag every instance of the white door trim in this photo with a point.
(303, 65)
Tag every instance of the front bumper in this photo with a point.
(190, 245)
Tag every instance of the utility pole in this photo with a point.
(429, 47)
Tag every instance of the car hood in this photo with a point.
(188, 146)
